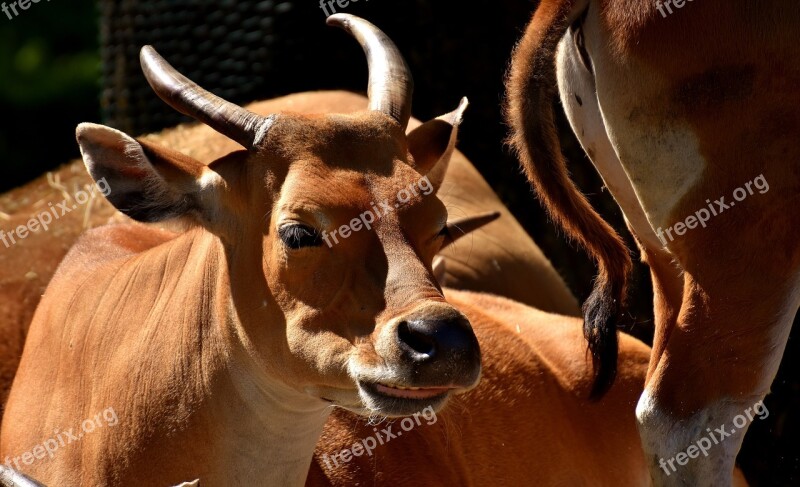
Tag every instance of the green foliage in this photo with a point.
(49, 81)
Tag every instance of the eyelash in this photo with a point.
(299, 236)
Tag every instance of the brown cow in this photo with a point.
(218, 340)
(501, 259)
(691, 113)
(529, 421)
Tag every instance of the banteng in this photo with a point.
(692, 121)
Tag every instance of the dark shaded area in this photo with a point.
(49, 67)
(247, 50)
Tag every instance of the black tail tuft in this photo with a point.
(601, 312)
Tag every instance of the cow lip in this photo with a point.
(394, 401)
(411, 392)
(396, 391)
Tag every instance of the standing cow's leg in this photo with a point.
(687, 134)
(676, 370)
(711, 370)
(670, 132)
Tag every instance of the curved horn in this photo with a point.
(12, 478)
(184, 95)
(390, 81)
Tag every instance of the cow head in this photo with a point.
(329, 223)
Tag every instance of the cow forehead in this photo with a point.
(367, 142)
(341, 160)
(313, 188)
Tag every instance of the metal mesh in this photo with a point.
(228, 47)
(248, 50)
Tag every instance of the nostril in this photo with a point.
(417, 338)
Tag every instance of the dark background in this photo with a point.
(62, 63)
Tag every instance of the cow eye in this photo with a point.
(298, 236)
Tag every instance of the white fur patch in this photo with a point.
(659, 153)
(693, 451)
(263, 129)
(579, 98)
(209, 180)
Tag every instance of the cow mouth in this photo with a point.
(411, 392)
(397, 400)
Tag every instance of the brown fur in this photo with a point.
(472, 264)
(27, 266)
(531, 86)
(528, 422)
(722, 74)
(120, 260)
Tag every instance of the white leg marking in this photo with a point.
(697, 451)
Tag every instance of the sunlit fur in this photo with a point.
(226, 307)
(529, 421)
(693, 105)
(493, 260)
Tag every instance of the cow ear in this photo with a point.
(432, 144)
(457, 229)
(147, 182)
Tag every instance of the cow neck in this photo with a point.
(274, 427)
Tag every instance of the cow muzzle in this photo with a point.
(428, 356)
